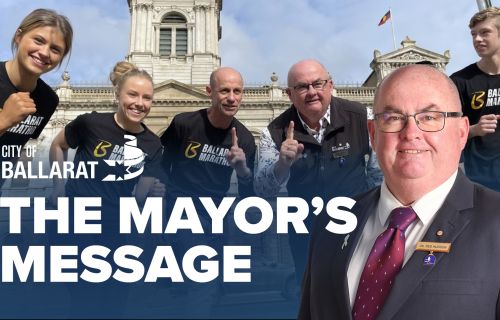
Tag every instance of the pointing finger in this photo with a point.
(289, 132)
(234, 137)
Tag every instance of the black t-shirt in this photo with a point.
(46, 102)
(99, 138)
(479, 92)
(195, 156)
(480, 95)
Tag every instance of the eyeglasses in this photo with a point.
(428, 121)
(304, 87)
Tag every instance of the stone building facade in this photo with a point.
(176, 41)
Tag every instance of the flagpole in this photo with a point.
(392, 28)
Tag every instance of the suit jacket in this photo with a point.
(463, 284)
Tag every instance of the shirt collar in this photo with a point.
(324, 122)
(425, 207)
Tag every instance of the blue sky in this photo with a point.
(261, 36)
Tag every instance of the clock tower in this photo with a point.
(175, 39)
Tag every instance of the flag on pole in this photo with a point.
(386, 17)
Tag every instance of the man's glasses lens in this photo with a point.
(304, 87)
(429, 121)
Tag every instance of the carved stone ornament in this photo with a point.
(411, 56)
(274, 77)
(59, 123)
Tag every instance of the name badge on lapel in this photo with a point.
(430, 259)
(341, 152)
(433, 246)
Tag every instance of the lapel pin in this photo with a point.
(341, 161)
(430, 260)
(345, 241)
(440, 233)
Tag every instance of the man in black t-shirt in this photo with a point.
(202, 148)
(479, 88)
(201, 151)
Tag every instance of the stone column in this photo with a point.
(197, 20)
(142, 22)
(190, 31)
(203, 29)
(173, 51)
(133, 40)
(149, 28)
(209, 13)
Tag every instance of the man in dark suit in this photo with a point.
(418, 134)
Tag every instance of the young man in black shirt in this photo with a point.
(479, 88)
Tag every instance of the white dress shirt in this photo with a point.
(425, 208)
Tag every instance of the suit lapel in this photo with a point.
(363, 209)
(452, 223)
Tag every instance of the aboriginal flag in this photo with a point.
(386, 17)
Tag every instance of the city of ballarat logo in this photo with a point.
(130, 165)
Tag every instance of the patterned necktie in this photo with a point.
(383, 264)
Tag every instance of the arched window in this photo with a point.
(173, 35)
